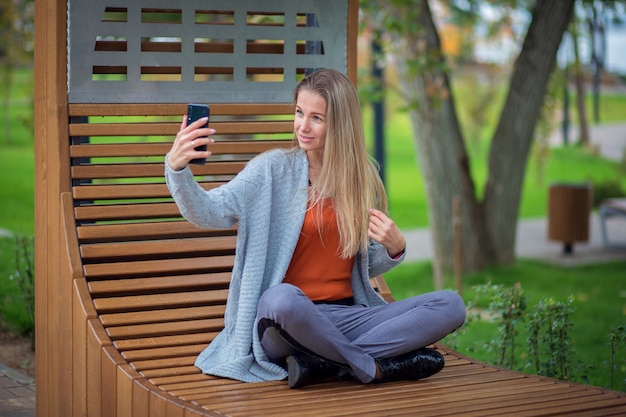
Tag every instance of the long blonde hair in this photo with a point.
(349, 178)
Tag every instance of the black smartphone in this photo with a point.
(197, 111)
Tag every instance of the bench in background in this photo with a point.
(609, 209)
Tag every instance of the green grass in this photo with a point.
(16, 126)
(600, 305)
(611, 108)
(17, 191)
(13, 313)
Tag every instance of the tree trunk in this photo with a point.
(514, 133)
(488, 228)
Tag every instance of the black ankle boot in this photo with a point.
(306, 369)
(418, 364)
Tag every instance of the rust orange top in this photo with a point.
(316, 267)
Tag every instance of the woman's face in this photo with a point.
(310, 121)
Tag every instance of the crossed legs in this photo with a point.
(353, 336)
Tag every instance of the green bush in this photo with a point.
(548, 348)
(618, 340)
(597, 308)
(17, 285)
(609, 188)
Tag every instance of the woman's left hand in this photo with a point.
(384, 231)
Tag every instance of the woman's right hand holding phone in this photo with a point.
(187, 139)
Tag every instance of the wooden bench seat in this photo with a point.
(150, 291)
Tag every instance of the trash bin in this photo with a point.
(569, 207)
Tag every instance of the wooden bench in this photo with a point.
(149, 291)
(610, 208)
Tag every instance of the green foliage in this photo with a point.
(16, 48)
(597, 311)
(17, 191)
(549, 343)
(24, 277)
(16, 96)
(617, 339)
(507, 305)
(17, 279)
(609, 188)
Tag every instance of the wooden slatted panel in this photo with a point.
(158, 284)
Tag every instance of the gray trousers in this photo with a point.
(290, 323)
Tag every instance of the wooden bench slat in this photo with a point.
(127, 345)
(161, 148)
(182, 313)
(92, 192)
(570, 402)
(146, 354)
(159, 373)
(170, 247)
(180, 386)
(166, 109)
(154, 301)
(150, 170)
(170, 129)
(189, 380)
(158, 267)
(144, 230)
(104, 212)
(135, 191)
(170, 362)
(165, 328)
(139, 285)
(617, 410)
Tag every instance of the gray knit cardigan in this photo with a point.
(268, 199)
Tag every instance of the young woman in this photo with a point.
(312, 229)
